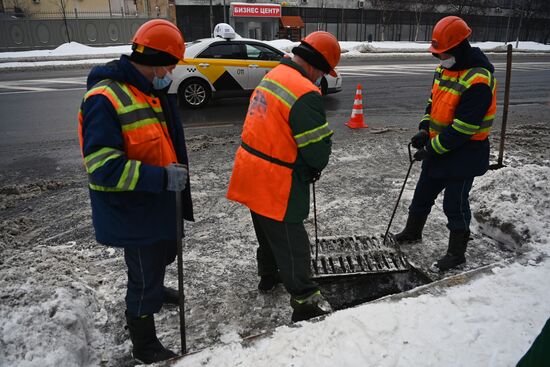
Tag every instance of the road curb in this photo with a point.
(437, 287)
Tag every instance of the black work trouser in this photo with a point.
(146, 270)
(456, 202)
(284, 248)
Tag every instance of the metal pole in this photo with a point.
(211, 20)
(315, 222)
(519, 26)
(179, 238)
(224, 13)
(64, 10)
(400, 193)
(511, 10)
(506, 103)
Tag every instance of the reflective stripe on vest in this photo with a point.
(446, 92)
(313, 135)
(144, 129)
(278, 91)
(262, 175)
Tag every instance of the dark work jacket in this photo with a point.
(147, 214)
(467, 158)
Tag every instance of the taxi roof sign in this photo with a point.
(224, 30)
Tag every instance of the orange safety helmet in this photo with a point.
(448, 33)
(161, 35)
(327, 45)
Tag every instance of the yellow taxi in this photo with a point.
(228, 66)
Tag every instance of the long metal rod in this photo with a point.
(315, 222)
(179, 237)
(400, 193)
(506, 103)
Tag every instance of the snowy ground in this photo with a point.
(62, 295)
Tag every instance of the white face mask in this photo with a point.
(448, 63)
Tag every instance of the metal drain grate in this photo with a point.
(356, 255)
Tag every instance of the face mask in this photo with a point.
(318, 81)
(448, 63)
(161, 83)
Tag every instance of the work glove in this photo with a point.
(420, 139)
(314, 175)
(420, 154)
(176, 177)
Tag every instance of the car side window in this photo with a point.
(222, 51)
(259, 52)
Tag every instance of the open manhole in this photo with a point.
(358, 269)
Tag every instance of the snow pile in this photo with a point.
(512, 205)
(75, 49)
(484, 323)
(283, 44)
(57, 332)
(68, 49)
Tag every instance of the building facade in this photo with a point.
(29, 24)
(378, 20)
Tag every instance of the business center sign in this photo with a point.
(256, 10)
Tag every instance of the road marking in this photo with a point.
(358, 74)
(28, 85)
(371, 71)
(31, 89)
(36, 91)
(419, 69)
(56, 81)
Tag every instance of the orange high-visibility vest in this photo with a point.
(144, 129)
(262, 172)
(446, 92)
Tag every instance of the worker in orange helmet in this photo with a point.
(453, 137)
(286, 143)
(134, 153)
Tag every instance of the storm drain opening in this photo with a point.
(358, 269)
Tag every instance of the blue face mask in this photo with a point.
(318, 81)
(161, 83)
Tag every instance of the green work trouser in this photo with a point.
(284, 248)
(539, 353)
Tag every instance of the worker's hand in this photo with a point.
(176, 177)
(420, 139)
(314, 176)
(420, 154)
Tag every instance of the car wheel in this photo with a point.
(194, 93)
(324, 86)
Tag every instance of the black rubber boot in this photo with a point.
(309, 307)
(146, 346)
(458, 241)
(413, 230)
(268, 282)
(171, 296)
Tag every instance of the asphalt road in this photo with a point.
(40, 107)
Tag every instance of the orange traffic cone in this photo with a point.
(356, 120)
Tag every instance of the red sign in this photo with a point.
(256, 10)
